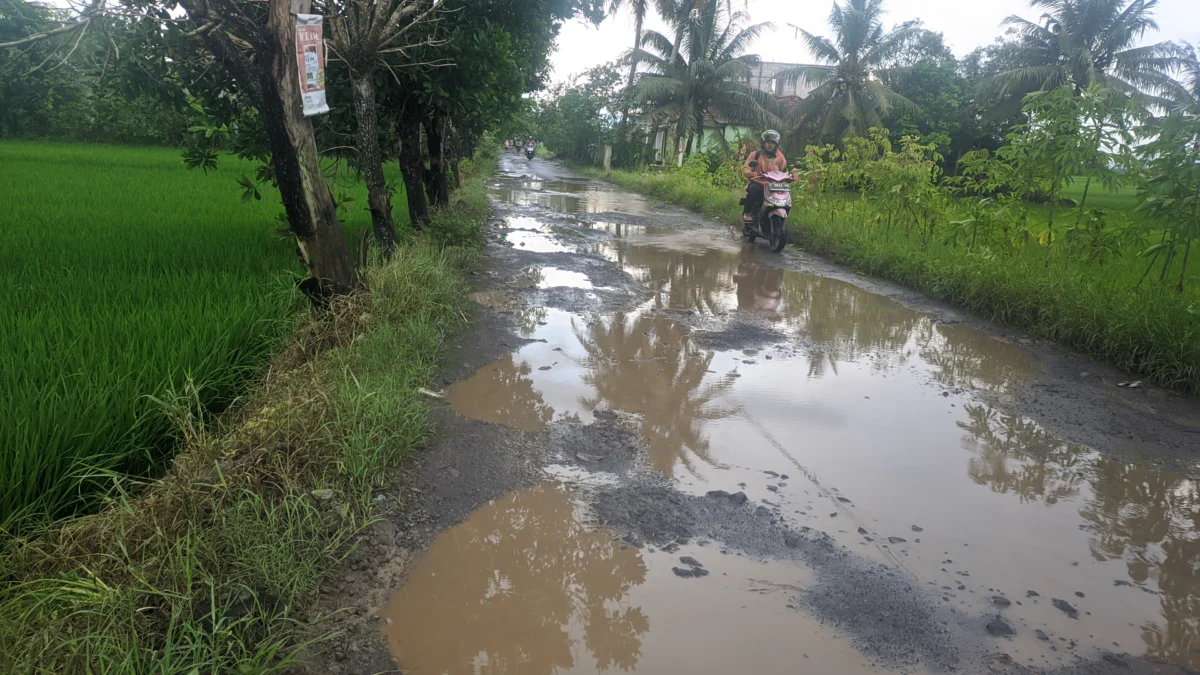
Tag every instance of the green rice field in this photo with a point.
(126, 276)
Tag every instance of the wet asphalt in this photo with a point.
(665, 450)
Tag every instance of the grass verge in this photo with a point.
(206, 570)
(1094, 307)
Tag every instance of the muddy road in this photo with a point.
(666, 451)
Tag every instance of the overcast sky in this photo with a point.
(966, 25)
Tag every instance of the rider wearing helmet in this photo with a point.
(766, 159)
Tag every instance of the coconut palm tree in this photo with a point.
(1080, 42)
(704, 71)
(1189, 92)
(848, 98)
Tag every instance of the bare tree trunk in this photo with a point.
(379, 198)
(633, 64)
(306, 198)
(411, 166)
(272, 80)
(435, 136)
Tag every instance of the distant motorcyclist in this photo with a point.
(766, 159)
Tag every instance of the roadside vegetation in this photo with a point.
(210, 568)
(1047, 181)
(217, 344)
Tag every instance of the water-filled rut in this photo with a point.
(756, 465)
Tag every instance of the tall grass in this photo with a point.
(1095, 307)
(126, 275)
(209, 570)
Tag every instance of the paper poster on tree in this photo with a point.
(310, 55)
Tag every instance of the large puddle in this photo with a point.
(527, 586)
(876, 414)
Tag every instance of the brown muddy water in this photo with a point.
(854, 414)
(527, 585)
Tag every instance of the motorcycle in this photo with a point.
(770, 222)
(529, 154)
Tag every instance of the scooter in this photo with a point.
(529, 154)
(770, 222)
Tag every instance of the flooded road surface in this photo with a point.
(527, 586)
(836, 410)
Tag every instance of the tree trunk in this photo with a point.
(411, 167)
(379, 198)
(440, 188)
(310, 209)
(633, 64)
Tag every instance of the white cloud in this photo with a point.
(966, 25)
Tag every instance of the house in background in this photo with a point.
(764, 78)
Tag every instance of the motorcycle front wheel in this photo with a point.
(777, 233)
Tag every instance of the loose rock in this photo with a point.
(999, 627)
(1065, 607)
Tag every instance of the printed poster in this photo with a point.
(310, 54)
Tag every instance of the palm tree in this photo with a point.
(640, 9)
(1081, 42)
(704, 72)
(1189, 91)
(849, 98)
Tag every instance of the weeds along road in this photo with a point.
(664, 450)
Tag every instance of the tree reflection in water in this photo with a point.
(511, 589)
(1151, 519)
(1014, 455)
(647, 366)
(503, 393)
(1142, 515)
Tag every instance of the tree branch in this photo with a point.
(84, 18)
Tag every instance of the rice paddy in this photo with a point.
(132, 284)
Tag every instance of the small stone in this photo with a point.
(896, 540)
(917, 528)
(772, 488)
(323, 495)
(783, 476)
(833, 515)
(1041, 635)
(544, 368)
(1079, 594)
(690, 561)
(1065, 607)
(862, 530)
(388, 621)
(1031, 594)
(681, 572)
(843, 500)
(999, 627)
(738, 498)
(1000, 601)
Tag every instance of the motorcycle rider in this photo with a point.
(766, 159)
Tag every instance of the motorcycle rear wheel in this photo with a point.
(777, 233)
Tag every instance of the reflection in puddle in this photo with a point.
(569, 196)
(552, 277)
(525, 587)
(877, 404)
(537, 242)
